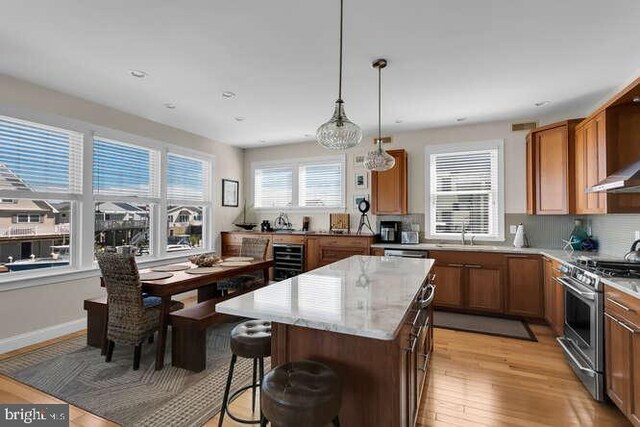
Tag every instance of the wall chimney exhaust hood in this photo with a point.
(626, 180)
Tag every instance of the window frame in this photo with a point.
(295, 164)
(82, 263)
(499, 202)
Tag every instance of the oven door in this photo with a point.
(583, 323)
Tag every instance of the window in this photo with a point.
(36, 163)
(464, 190)
(310, 183)
(189, 200)
(133, 186)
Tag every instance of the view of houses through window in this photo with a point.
(38, 161)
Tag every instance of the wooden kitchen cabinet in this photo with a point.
(591, 164)
(469, 281)
(449, 286)
(389, 189)
(484, 289)
(622, 352)
(323, 250)
(550, 169)
(377, 251)
(525, 286)
(553, 297)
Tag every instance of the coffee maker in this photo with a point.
(390, 231)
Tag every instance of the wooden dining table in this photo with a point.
(182, 281)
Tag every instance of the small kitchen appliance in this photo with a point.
(409, 237)
(390, 231)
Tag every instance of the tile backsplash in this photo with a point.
(614, 232)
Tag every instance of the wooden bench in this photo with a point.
(189, 331)
(97, 314)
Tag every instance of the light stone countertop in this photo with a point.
(630, 286)
(363, 296)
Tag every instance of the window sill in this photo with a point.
(49, 277)
(301, 210)
(450, 238)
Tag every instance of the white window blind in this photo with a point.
(321, 184)
(121, 169)
(40, 158)
(464, 191)
(273, 186)
(186, 178)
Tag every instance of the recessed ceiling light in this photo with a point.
(398, 121)
(636, 99)
(140, 74)
(307, 135)
(239, 119)
(170, 105)
(262, 141)
(228, 94)
(461, 119)
(542, 103)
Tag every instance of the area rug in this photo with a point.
(78, 374)
(483, 325)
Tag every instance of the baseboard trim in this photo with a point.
(34, 337)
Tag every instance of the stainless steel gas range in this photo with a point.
(583, 340)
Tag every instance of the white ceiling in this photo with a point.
(485, 60)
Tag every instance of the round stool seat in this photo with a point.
(251, 339)
(303, 393)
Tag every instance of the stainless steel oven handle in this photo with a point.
(622, 306)
(588, 295)
(588, 371)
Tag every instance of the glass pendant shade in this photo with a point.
(339, 133)
(379, 160)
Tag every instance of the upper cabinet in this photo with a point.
(389, 188)
(550, 169)
(565, 159)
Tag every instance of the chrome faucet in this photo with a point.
(462, 234)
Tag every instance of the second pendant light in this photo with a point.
(379, 160)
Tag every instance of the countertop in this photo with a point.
(302, 233)
(362, 296)
(630, 286)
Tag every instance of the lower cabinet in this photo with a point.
(553, 297)
(524, 286)
(469, 281)
(323, 250)
(622, 352)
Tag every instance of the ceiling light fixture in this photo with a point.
(339, 133)
(398, 121)
(170, 105)
(239, 119)
(228, 94)
(461, 119)
(138, 74)
(636, 99)
(542, 103)
(379, 160)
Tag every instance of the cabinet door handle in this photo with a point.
(473, 266)
(624, 325)
(455, 265)
(622, 306)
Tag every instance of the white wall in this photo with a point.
(414, 143)
(29, 309)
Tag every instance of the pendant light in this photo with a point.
(339, 133)
(379, 160)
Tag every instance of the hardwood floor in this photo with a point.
(474, 380)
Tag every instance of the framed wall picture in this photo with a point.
(230, 190)
(361, 180)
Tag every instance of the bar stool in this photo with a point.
(251, 340)
(303, 393)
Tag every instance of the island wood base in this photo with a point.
(377, 377)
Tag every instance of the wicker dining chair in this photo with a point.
(132, 318)
(256, 248)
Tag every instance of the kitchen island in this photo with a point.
(368, 318)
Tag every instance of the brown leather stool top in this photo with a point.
(251, 339)
(303, 393)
